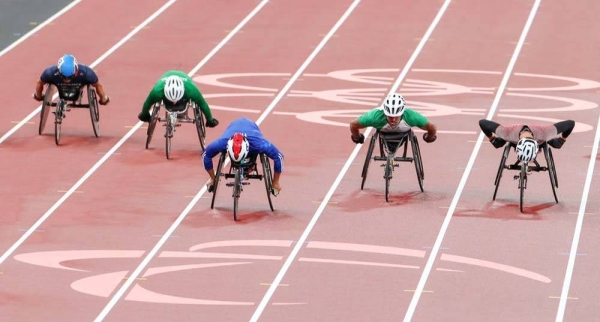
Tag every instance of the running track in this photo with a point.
(102, 229)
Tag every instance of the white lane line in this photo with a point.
(73, 189)
(342, 173)
(438, 242)
(136, 273)
(39, 27)
(573, 253)
(92, 65)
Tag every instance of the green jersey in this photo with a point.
(377, 119)
(157, 93)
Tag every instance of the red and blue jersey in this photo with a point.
(84, 76)
(256, 141)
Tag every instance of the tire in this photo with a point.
(417, 160)
(500, 169)
(237, 190)
(46, 107)
(58, 116)
(388, 176)
(267, 176)
(551, 171)
(217, 179)
(152, 125)
(94, 112)
(522, 184)
(200, 127)
(168, 136)
(365, 170)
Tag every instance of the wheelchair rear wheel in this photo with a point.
(217, 179)
(417, 160)
(522, 184)
(200, 127)
(500, 169)
(267, 175)
(551, 171)
(365, 170)
(46, 106)
(94, 111)
(152, 125)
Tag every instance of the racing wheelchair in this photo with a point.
(174, 116)
(525, 169)
(389, 143)
(68, 97)
(241, 172)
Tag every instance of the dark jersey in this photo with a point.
(84, 76)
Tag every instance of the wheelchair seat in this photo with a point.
(249, 163)
(393, 140)
(179, 108)
(69, 93)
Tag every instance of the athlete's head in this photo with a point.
(67, 66)
(527, 149)
(393, 108)
(174, 88)
(237, 147)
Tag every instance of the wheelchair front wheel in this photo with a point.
(58, 117)
(387, 175)
(522, 184)
(168, 136)
(237, 190)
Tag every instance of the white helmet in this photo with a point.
(527, 149)
(174, 88)
(237, 147)
(393, 105)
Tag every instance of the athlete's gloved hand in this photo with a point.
(104, 102)
(144, 117)
(556, 143)
(38, 98)
(212, 123)
(359, 140)
(428, 140)
(498, 142)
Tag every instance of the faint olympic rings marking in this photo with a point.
(411, 88)
(103, 285)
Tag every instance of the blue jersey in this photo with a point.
(256, 141)
(83, 76)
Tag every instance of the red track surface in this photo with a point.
(364, 257)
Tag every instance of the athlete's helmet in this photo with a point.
(237, 147)
(393, 105)
(67, 65)
(527, 149)
(174, 88)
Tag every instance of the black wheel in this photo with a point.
(500, 169)
(237, 190)
(200, 127)
(387, 175)
(522, 184)
(94, 111)
(551, 171)
(365, 170)
(268, 177)
(152, 125)
(46, 107)
(168, 136)
(417, 161)
(217, 178)
(58, 117)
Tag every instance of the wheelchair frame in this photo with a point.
(525, 169)
(62, 106)
(395, 140)
(240, 172)
(172, 120)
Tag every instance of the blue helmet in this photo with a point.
(67, 65)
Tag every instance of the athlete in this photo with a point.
(69, 77)
(243, 139)
(392, 117)
(175, 88)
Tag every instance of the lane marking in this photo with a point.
(269, 284)
(92, 65)
(568, 298)
(438, 242)
(63, 191)
(40, 26)
(416, 290)
(50, 211)
(578, 227)
(121, 291)
(17, 122)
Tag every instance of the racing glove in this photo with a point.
(359, 140)
(144, 117)
(498, 142)
(212, 123)
(428, 140)
(556, 143)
